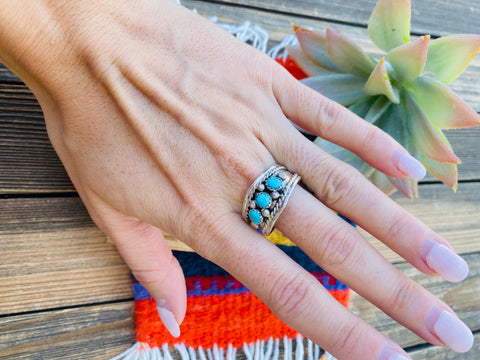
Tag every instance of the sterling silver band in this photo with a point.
(267, 197)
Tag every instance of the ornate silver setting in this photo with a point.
(267, 197)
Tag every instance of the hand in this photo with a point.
(163, 121)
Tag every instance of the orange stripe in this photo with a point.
(217, 319)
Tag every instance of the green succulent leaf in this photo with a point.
(313, 45)
(362, 107)
(379, 83)
(347, 55)
(377, 110)
(407, 186)
(305, 63)
(444, 108)
(389, 24)
(445, 172)
(450, 55)
(408, 60)
(345, 155)
(345, 89)
(382, 181)
(394, 124)
(428, 140)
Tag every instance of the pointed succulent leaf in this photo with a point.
(423, 135)
(389, 24)
(344, 155)
(408, 60)
(392, 121)
(450, 55)
(444, 108)
(345, 89)
(378, 108)
(382, 181)
(313, 45)
(305, 63)
(347, 55)
(362, 107)
(445, 172)
(407, 186)
(379, 83)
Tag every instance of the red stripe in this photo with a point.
(217, 319)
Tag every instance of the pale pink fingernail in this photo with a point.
(444, 261)
(398, 357)
(409, 165)
(391, 354)
(168, 319)
(450, 330)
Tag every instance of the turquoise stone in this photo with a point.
(274, 183)
(255, 216)
(263, 200)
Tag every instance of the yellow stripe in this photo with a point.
(279, 239)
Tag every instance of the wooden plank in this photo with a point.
(463, 298)
(94, 332)
(455, 216)
(102, 331)
(435, 17)
(439, 353)
(53, 255)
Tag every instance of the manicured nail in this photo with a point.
(392, 354)
(168, 319)
(450, 330)
(444, 261)
(409, 166)
(398, 357)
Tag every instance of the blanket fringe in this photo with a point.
(260, 350)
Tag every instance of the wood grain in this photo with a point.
(101, 331)
(456, 17)
(93, 332)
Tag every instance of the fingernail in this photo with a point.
(392, 354)
(398, 357)
(168, 319)
(409, 166)
(444, 261)
(450, 330)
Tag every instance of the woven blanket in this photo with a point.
(223, 317)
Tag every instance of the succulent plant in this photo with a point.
(402, 92)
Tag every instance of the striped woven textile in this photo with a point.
(224, 320)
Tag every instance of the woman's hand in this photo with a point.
(163, 120)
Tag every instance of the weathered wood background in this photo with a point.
(64, 290)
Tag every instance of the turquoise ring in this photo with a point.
(267, 197)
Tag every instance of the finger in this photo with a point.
(151, 261)
(343, 252)
(345, 190)
(333, 122)
(294, 295)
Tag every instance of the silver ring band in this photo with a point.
(267, 197)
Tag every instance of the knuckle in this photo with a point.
(326, 115)
(398, 226)
(349, 336)
(290, 294)
(338, 246)
(370, 138)
(155, 277)
(401, 295)
(337, 185)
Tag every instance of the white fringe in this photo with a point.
(260, 350)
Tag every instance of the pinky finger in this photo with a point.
(151, 261)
